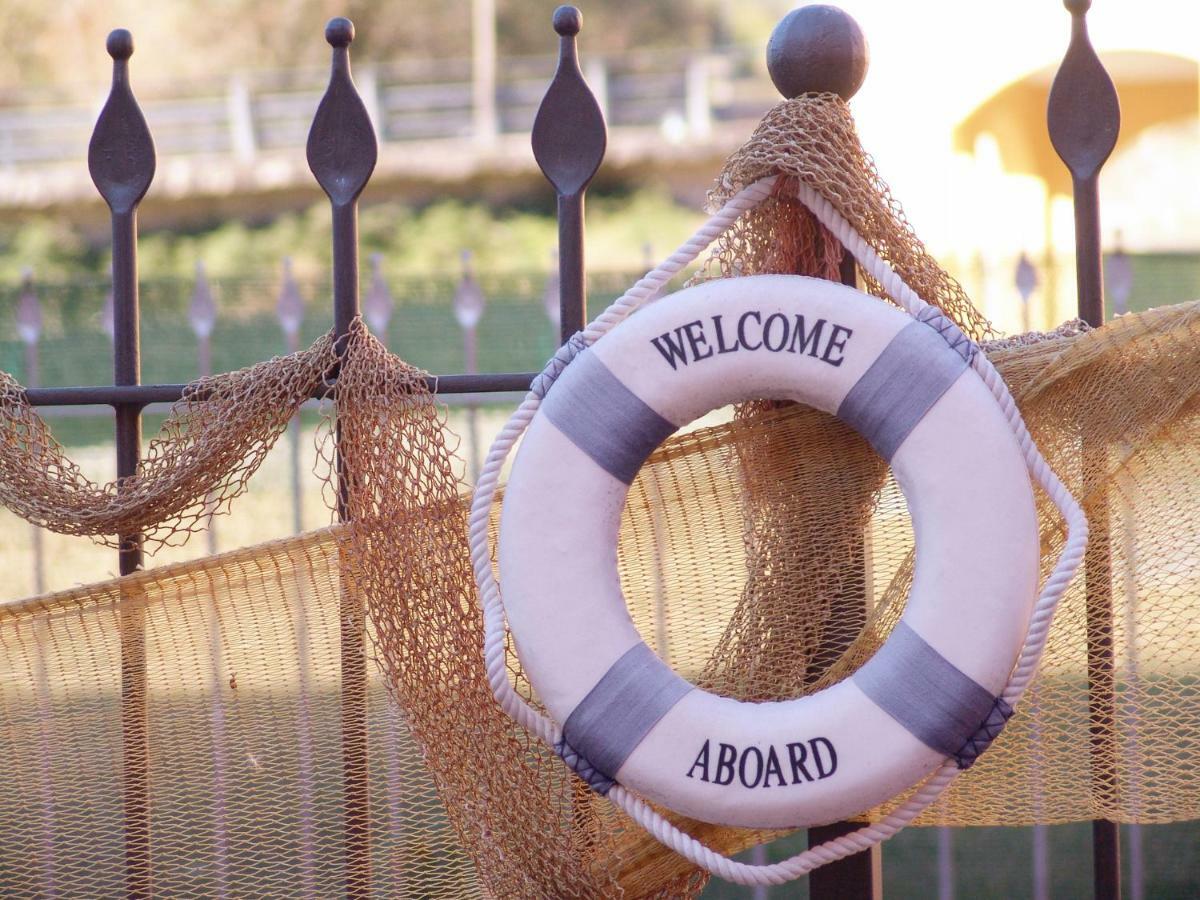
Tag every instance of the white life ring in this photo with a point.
(930, 693)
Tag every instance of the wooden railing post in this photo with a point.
(242, 139)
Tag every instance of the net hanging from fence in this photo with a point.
(742, 549)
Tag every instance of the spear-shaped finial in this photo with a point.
(1084, 119)
(121, 153)
(1083, 114)
(342, 149)
(569, 140)
(569, 136)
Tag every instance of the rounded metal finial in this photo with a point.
(120, 44)
(817, 49)
(339, 32)
(567, 21)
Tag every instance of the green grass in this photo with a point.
(997, 863)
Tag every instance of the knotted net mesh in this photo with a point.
(311, 716)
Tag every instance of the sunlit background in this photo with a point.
(235, 248)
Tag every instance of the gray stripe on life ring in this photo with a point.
(907, 379)
(926, 693)
(610, 722)
(603, 418)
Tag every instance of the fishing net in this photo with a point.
(312, 716)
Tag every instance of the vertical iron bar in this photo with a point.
(121, 162)
(1084, 118)
(342, 150)
(127, 369)
(569, 139)
(572, 284)
(861, 875)
(820, 48)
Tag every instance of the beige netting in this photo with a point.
(763, 557)
(196, 466)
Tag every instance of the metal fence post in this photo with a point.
(820, 48)
(469, 304)
(377, 306)
(289, 310)
(29, 330)
(121, 161)
(1084, 118)
(569, 139)
(1026, 281)
(202, 316)
(1118, 276)
(342, 151)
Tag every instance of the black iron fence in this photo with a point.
(342, 146)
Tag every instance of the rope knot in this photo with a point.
(596, 780)
(982, 739)
(951, 333)
(575, 345)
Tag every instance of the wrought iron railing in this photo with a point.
(569, 135)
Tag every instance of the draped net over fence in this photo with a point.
(764, 557)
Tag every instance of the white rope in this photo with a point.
(495, 652)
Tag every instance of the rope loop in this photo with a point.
(558, 363)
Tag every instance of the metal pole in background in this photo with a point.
(29, 329)
(550, 295)
(1118, 274)
(945, 860)
(202, 316)
(469, 304)
(569, 139)
(1084, 118)
(342, 151)
(289, 309)
(377, 305)
(1026, 281)
(121, 161)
